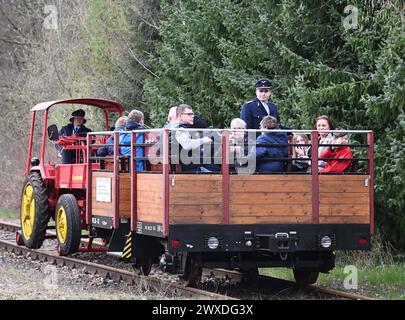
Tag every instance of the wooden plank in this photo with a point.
(150, 218)
(350, 186)
(103, 212)
(102, 205)
(155, 186)
(270, 209)
(194, 220)
(195, 198)
(140, 176)
(270, 198)
(344, 219)
(195, 186)
(344, 210)
(270, 219)
(270, 177)
(146, 196)
(344, 198)
(196, 177)
(343, 178)
(187, 210)
(270, 186)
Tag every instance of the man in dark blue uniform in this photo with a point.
(77, 128)
(254, 111)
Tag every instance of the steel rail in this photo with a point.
(236, 277)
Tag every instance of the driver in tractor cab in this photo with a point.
(75, 128)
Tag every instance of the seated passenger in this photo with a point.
(135, 122)
(120, 125)
(242, 148)
(171, 118)
(75, 128)
(343, 152)
(323, 123)
(268, 152)
(300, 152)
(210, 154)
(189, 148)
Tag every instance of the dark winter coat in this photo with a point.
(267, 152)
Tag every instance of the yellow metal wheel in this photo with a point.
(61, 225)
(27, 210)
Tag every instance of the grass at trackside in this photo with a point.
(380, 273)
(4, 213)
(379, 281)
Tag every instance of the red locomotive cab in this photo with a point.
(55, 190)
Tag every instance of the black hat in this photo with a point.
(78, 113)
(263, 83)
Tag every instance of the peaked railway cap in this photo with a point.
(263, 83)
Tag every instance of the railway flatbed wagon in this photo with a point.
(230, 220)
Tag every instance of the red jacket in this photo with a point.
(335, 165)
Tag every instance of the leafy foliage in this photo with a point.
(325, 57)
(111, 60)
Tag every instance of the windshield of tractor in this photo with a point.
(66, 131)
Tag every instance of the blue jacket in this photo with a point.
(109, 149)
(125, 138)
(253, 112)
(271, 152)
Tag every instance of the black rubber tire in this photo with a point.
(305, 276)
(41, 215)
(73, 224)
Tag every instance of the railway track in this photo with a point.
(218, 284)
(268, 287)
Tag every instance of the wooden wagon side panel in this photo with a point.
(195, 199)
(149, 200)
(344, 199)
(270, 199)
(105, 207)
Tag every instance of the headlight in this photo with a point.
(213, 243)
(326, 241)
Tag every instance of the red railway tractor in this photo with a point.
(57, 191)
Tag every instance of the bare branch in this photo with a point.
(140, 62)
